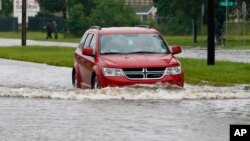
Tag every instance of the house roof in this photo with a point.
(142, 8)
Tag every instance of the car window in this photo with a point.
(133, 43)
(87, 41)
(82, 40)
(93, 43)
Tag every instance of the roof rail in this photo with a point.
(144, 26)
(95, 27)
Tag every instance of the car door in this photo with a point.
(87, 62)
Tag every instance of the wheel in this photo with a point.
(95, 84)
(74, 79)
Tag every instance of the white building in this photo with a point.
(32, 9)
(144, 9)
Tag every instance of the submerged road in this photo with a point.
(38, 102)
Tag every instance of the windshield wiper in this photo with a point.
(106, 53)
(143, 52)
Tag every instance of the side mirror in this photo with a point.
(87, 51)
(176, 49)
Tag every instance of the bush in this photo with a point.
(113, 13)
(77, 23)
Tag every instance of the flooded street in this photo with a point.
(38, 102)
(140, 120)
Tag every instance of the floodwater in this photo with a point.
(38, 102)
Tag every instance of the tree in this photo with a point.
(89, 5)
(7, 8)
(182, 9)
(113, 13)
(52, 5)
(48, 7)
(103, 13)
(77, 23)
(190, 8)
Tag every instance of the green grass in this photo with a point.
(234, 42)
(221, 74)
(58, 56)
(41, 36)
(196, 71)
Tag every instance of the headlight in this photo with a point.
(112, 72)
(173, 70)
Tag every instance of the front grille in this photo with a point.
(144, 73)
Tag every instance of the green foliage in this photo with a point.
(105, 13)
(44, 13)
(52, 5)
(7, 8)
(89, 5)
(77, 23)
(113, 13)
(179, 8)
(176, 16)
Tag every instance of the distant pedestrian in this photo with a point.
(49, 29)
(55, 29)
(218, 33)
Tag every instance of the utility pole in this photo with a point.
(24, 14)
(210, 31)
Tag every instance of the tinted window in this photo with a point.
(133, 43)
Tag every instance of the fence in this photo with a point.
(38, 23)
(235, 32)
(177, 26)
(8, 25)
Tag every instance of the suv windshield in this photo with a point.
(132, 43)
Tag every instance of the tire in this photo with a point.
(74, 79)
(95, 84)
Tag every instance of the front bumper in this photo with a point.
(116, 81)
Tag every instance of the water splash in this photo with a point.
(146, 92)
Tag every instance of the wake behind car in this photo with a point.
(122, 56)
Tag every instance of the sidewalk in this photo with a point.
(220, 54)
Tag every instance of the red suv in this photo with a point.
(121, 56)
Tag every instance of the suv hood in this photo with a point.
(138, 60)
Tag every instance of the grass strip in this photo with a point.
(40, 36)
(234, 41)
(57, 56)
(223, 73)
